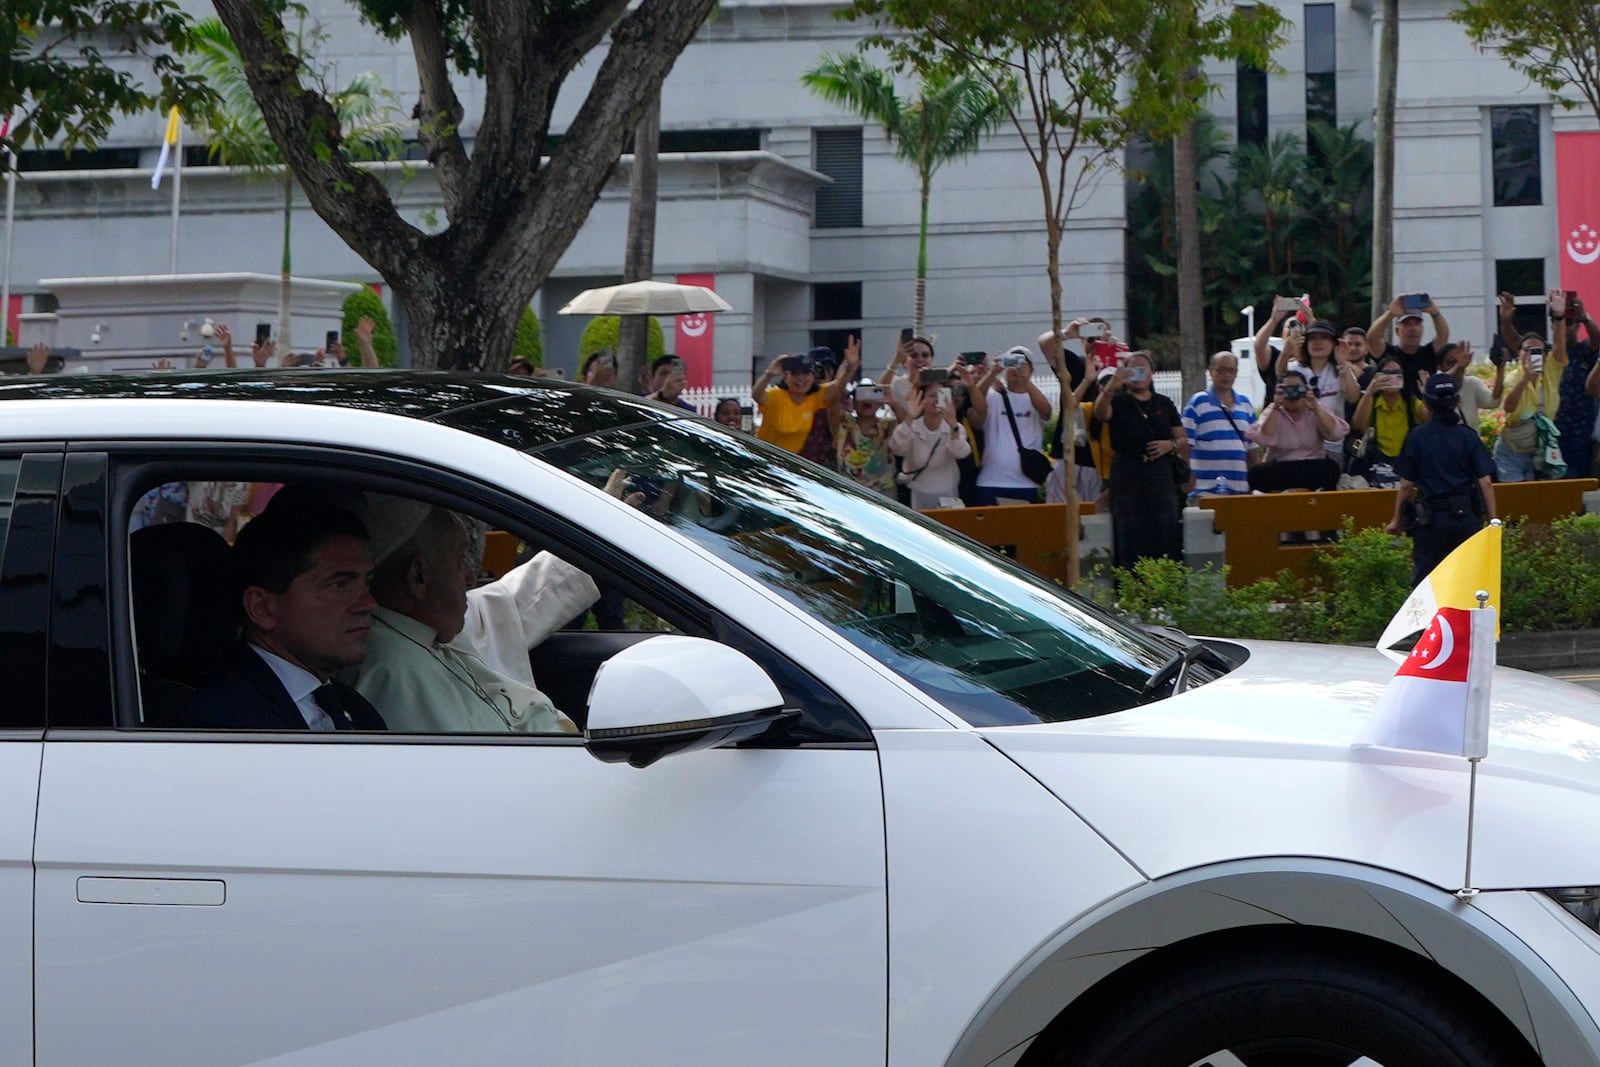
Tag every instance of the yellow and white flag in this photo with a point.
(166, 147)
(1454, 583)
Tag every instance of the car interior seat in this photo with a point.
(185, 614)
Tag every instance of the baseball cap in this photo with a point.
(1440, 387)
(1410, 315)
(1322, 326)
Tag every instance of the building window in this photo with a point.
(1524, 279)
(1322, 98)
(1514, 140)
(710, 140)
(82, 159)
(838, 155)
(836, 301)
(1252, 82)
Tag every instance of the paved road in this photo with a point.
(1591, 679)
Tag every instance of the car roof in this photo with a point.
(523, 413)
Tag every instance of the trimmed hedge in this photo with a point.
(603, 331)
(529, 342)
(366, 302)
(1550, 580)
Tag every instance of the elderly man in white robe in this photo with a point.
(444, 657)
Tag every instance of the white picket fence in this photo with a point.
(1168, 382)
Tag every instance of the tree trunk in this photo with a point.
(1068, 413)
(461, 318)
(517, 201)
(285, 266)
(638, 262)
(919, 303)
(1191, 296)
(1383, 161)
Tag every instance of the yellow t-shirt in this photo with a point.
(1546, 389)
(785, 423)
(1390, 423)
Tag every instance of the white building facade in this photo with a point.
(809, 224)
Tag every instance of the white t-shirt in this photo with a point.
(1475, 395)
(1002, 466)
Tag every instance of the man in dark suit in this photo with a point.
(303, 571)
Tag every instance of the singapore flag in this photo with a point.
(1438, 701)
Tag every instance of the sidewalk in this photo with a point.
(1551, 650)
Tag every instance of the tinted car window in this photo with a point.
(992, 642)
(28, 488)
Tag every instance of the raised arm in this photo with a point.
(1441, 327)
(1508, 322)
(1378, 332)
(847, 370)
(1262, 345)
(758, 391)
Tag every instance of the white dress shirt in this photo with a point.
(300, 684)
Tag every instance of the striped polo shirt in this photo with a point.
(1216, 449)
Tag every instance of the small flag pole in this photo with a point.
(1466, 892)
(177, 189)
(11, 207)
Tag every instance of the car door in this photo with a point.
(303, 898)
(28, 491)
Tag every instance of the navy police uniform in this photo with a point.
(1445, 462)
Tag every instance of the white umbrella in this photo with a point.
(646, 298)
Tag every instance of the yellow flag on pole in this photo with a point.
(1454, 583)
(166, 147)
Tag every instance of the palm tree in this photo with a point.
(946, 122)
(238, 134)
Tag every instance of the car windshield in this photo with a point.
(994, 643)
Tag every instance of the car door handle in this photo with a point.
(190, 892)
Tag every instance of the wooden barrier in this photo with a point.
(1035, 535)
(1252, 525)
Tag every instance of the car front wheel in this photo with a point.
(1288, 1007)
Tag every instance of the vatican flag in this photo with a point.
(1474, 565)
(1438, 701)
(166, 147)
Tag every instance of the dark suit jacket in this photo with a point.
(248, 696)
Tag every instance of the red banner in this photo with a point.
(695, 337)
(1578, 212)
(12, 314)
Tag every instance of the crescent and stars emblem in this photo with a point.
(1584, 245)
(1431, 656)
(695, 325)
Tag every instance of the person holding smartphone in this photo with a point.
(1012, 411)
(1391, 415)
(1533, 397)
(1146, 435)
(1407, 312)
(1575, 417)
(913, 356)
(930, 443)
(1294, 429)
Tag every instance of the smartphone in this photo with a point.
(330, 340)
(944, 398)
(1416, 301)
(1108, 354)
(973, 359)
(747, 417)
(263, 332)
(906, 335)
(1286, 303)
(1572, 299)
(872, 393)
(1138, 375)
(934, 376)
(1090, 330)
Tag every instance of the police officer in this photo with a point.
(1446, 470)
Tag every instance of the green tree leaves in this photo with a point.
(66, 79)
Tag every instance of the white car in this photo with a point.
(894, 801)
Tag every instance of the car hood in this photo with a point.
(1262, 763)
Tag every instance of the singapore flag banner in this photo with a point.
(1438, 701)
(1578, 211)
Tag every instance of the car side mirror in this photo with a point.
(676, 694)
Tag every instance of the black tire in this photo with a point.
(1301, 1006)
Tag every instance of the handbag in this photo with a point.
(1182, 473)
(1036, 466)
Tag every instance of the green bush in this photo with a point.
(365, 302)
(1550, 580)
(529, 342)
(603, 331)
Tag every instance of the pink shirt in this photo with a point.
(1294, 437)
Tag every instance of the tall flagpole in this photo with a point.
(177, 189)
(11, 208)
